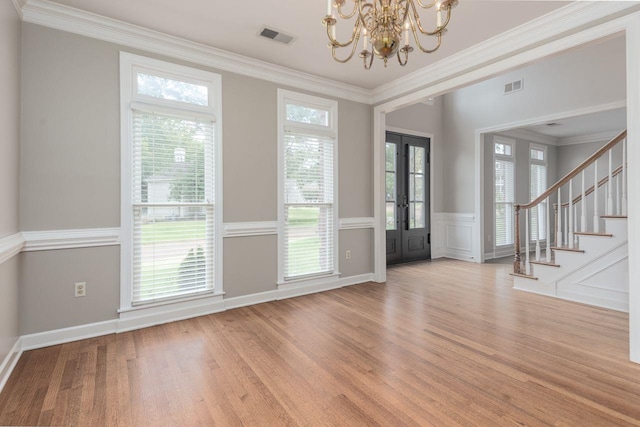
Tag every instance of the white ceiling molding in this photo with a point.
(19, 4)
(583, 139)
(572, 17)
(87, 24)
(531, 136)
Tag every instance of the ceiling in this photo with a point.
(230, 26)
(609, 121)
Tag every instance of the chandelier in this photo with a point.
(383, 22)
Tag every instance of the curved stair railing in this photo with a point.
(566, 217)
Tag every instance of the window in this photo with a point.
(391, 184)
(307, 214)
(504, 190)
(537, 186)
(170, 158)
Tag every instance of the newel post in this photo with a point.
(517, 265)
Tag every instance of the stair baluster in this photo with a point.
(570, 235)
(527, 266)
(624, 177)
(538, 216)
(583, 208)
(548, 230)
(596, 217)
(610, 186)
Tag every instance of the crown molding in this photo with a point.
(570, 18)
(19, 4)
(53, 15)
(530, 136)
(584, 139)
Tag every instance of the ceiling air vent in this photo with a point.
(516, 86)
(273, 34)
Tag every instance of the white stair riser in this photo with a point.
(594, 244)
(535, 286)
(569, 260)
(617, 227)
(545, 273)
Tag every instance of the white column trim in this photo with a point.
(633, 175)
(70, 239)
(10, 246)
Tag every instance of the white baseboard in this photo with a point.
(144, 318)
(245, 300)
(10, 362)
(356, 280)
(65, 335)
(297, 291)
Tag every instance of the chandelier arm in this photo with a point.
(425, 6)
(362, 14)
(438, 30)
(415, 36)
(355, 35)
(406, 57)
(353, 50)
(350, 15)
(364, 59)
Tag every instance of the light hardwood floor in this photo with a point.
(442, 343)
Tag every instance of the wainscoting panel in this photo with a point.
(453, 236)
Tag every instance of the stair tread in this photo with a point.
(613, 216)
(550, 264)
(566, 248)
(589, 233)
(526, 276)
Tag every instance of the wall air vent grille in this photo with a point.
(276, 35)
(515, 86)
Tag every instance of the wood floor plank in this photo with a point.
(442, 343)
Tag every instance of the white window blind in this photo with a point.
(308, 210)
(504, 191)
(308, 205)
(173, 206)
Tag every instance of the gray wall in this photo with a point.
(9, 166)
(578, 79)
(71, 176)
(426, 119)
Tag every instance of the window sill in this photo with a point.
(309, 280)
(170, 302)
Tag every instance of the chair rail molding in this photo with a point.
(356, 223)
(70, 239)
(246, 229)
(10, 246)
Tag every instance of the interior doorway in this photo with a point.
(407, 198)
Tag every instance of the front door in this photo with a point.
(407, 198)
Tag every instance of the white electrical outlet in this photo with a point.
(348, 254)
(81, 289)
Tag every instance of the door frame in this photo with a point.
(432, 144)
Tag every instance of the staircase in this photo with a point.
(588, 262)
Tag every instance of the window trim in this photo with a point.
(130, 64)
(331, 130)
(497, 139)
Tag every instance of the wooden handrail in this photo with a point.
(617, 171)
(582, 166)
